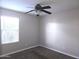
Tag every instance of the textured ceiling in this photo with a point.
(26, 5)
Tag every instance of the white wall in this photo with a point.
(0, 32)
(28, 32)
(60, 31)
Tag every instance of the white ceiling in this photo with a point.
(26, 5)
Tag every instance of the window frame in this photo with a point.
(9, 42)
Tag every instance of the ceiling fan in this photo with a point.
(39, 8)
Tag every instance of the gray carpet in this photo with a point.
(38, 53)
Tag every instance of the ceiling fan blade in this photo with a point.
(29, 11)
(46, 7)
(46, 11)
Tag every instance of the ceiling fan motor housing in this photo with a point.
(38, 7)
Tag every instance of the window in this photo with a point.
(9, 29)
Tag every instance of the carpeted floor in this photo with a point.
(38, 53)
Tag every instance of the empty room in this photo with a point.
(39, 29)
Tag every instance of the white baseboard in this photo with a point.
(61, 52)
(6, 55)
